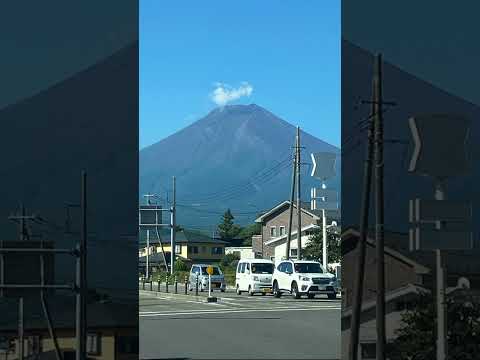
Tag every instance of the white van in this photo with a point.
(254, 276)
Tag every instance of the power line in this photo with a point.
(259, 174)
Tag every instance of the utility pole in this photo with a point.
(20, 329)
(292, 195)
(173, 230)
(81, 304)
(379, 208)
(361, 245)
(441, 308)
(299, 203)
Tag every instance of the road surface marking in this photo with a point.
(227, 311)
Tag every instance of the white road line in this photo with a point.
(221, 311)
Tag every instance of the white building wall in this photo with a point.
(246, 252)
(281, 248)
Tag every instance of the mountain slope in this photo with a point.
(236, 156)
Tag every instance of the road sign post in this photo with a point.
(324, 167)
(437, 154)
(210, 298)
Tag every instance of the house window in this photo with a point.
(368, 351)
(193, 249)
(217, 251)
(204, 249)
(282, 230)
(273, 231)
(93, 344)
(178, 249)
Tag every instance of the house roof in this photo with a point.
(389, 296)
(184, 236)
(400, 255)
(305, 206)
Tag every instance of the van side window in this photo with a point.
(239, 266)
(247, 266)
(242, 268)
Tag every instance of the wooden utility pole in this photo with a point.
(379, 207)
(292, 195)
(361, 245)
(299, 201)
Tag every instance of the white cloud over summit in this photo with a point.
(224, 93)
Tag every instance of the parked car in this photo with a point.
(301, 277)
(200, 270)
(254, 276)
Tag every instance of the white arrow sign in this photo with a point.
(323, 165)
(440, 141)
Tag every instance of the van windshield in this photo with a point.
(216, 271)
(262, 268)
(305, 268)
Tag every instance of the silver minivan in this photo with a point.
(200, 271)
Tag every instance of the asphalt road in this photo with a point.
(177, 326)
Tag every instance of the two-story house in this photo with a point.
(272, 241)
(190, 246)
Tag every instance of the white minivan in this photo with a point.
(254, 276)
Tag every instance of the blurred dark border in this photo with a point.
(69, 103)
(430, 65)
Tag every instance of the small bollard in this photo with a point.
(196, 286)
(186, 284)
(158, 284)
(166, 282)
(176, 285)
(151, 285)
(143, 284)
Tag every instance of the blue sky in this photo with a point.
(282, 55)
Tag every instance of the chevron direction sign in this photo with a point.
(452, 220)
(324, 199)
(324, 164)
(437, 138)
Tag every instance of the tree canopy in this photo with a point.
(227, 229)
(416, 337)
(314, 249)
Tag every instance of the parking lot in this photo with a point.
(178, 326)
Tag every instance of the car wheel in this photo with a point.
(262, 293)
(311, 296)
(332, 296)
(250, 291)
(276, 290)
(222, 290)
(294, 291)
(238, 290)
